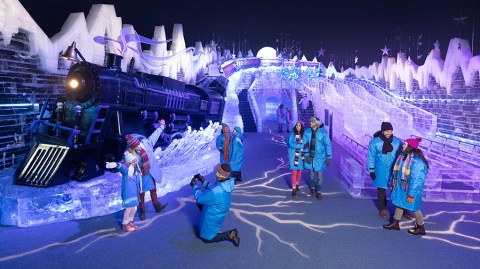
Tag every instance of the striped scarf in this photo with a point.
(225, 147)
(297, 151)
(405, 173)
(145, 162)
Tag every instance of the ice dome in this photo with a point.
(267, 53)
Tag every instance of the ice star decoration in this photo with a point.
(436, 45)
(385, 50)
(321, 52)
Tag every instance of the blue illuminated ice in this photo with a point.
(27, 206)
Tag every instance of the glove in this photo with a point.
(328, 162)
(110, 165)
(131, 171)
(373, 176)
(410, 199)
(201, 178)
(308, 159)
(193, 182)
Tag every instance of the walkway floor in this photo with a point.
(276, 230)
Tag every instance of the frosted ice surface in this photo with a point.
(27, 206)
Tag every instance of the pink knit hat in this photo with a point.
(414, 142)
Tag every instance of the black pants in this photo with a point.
(382, 199)
(219, 237)
(237, 175)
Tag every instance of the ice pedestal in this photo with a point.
(25, 206)
(356, 179)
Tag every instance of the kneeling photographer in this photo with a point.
(214, 203)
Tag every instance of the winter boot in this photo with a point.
(394, 225)
(294, 192)
(418, 230)
(311, 192)
(383, 214)
(128, 228)
(142, 214)
(319, 196)
(159, 207)
(233, 236)
(297, 188)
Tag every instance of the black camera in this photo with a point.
(197, 176)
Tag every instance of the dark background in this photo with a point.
(344, 28)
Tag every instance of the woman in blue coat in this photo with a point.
(318, 155)
(295, 155)
(382, 152)
(236, 153)
(408, 178)
(222, 143)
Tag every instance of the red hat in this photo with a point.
(132, 141)
(414, 142)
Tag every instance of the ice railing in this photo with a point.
(423, 121)
(457, 117)
(326, 97)
(257, 117)
(364, 117)
(402, 120)
(454, 174)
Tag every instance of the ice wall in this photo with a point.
(459, 54)
(102, 21)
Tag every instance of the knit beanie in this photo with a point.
(386, 126)
(414, 142)
(132, 141)
(238, 129)
(223, 171)
(129, 157)
(316, 120)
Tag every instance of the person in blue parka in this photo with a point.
(215, 201)
(295, 145)
(131, 183)
(382, 151)
(408, 179)
(142, 148)
(318, 155)
(236, 153)
(222, 143)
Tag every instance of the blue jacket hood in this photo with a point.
(227, 185)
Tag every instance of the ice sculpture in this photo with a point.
(26, 206)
